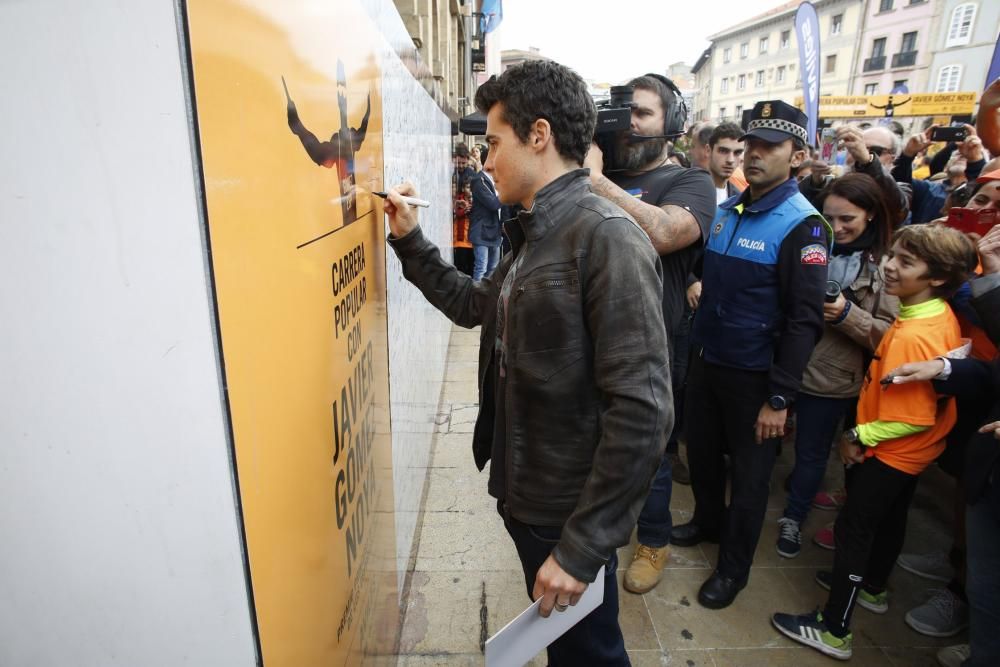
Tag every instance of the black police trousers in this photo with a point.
(721, 408)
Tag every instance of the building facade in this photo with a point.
(896, 43)
(442, 32)
(759, 59)
(964, 46)
(511, 57)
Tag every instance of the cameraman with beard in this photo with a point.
(675, 207)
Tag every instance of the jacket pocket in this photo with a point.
(545, 364)
(545, 534)
(739, 316)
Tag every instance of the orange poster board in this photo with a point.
(289, 119)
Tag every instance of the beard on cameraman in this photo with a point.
(675, 206)
(636, 155)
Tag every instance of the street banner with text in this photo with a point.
(807, 33)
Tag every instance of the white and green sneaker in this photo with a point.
(877, 603)
(811, 630)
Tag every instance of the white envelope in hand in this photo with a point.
(521, 640)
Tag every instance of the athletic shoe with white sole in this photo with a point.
(811, 630)
(789, 538)
(954, 656)
(935, 566)
(943, 615)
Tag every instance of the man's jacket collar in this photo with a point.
(551, 203)
(765, 203)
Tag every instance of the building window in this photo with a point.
(885, 6)
(960, 30)
(744, 49)
(727, 54)
(780, 76)
(760, 78)
(909, 44)
(878, 47)
(899, 84)
(738, 113)
(724, 86)
(762, 46)
(741, 82)
(948, 79)
(871, 88)
(831, 64)
(837, 24)
(786, 39)
(722, 113)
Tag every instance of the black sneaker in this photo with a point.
(789, 538)
(811, 630)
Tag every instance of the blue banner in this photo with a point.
(994, 66)
(492, 15)
(807, 33)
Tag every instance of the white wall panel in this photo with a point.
(121, 542)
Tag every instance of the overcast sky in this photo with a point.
(614, 41)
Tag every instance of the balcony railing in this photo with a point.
(874, 63)
(904, 59)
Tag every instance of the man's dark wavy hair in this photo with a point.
(725, 130)
(544, 89)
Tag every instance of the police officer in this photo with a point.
(760, 315)
(674, 205)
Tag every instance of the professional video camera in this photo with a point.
(614, 117)
(614, 120)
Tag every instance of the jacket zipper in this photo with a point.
(508, 385)
(546, 283)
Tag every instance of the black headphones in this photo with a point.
(675, 117)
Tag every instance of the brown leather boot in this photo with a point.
(646, 568)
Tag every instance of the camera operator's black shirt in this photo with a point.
(691, 189)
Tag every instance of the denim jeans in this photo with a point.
(816, 419)
(983, 585)
(680, 354)
(655, 522)
(485, 260)
(595, 640)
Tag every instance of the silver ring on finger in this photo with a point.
(561, 607)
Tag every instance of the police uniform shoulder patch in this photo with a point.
(814, 253)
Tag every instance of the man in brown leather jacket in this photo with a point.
(573, 373)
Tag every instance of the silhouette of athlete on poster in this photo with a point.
(890, 106)
(340, 149)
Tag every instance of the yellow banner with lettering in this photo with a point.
(889, 106)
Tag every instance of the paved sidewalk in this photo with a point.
(467, 581)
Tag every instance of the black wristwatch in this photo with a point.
(778, 402)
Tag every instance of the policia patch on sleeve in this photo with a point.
(814, 253)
